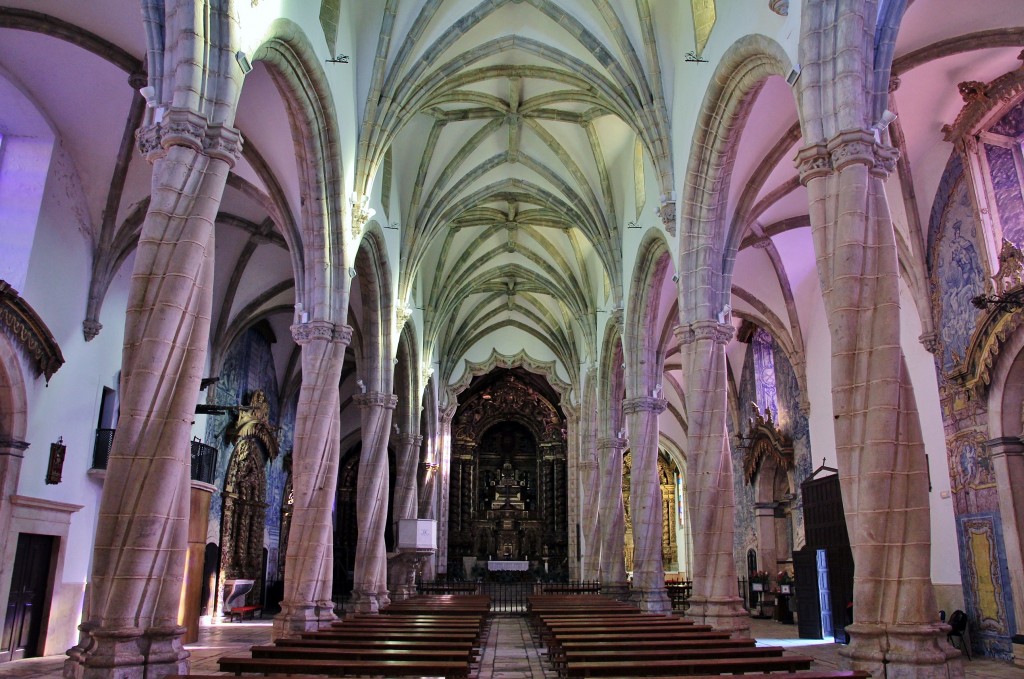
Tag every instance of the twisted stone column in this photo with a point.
(370, 593)
(882, 467)
(142, 529)
(645, 503)
(613, 517)
(309, 555)
(403, 570)
(709, 496)
(590, 520)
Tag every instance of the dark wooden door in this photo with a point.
(26, 605)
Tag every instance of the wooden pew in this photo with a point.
(639, 666)
(388, 668)
(470, 648)
(355, 653)
(806, 674)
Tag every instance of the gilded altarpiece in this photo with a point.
(667, 475)
(508, 480)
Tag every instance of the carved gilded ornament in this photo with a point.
(981, 102)
(23, 325)
(766, 441)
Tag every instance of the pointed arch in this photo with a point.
(727, 104)
(299, 76)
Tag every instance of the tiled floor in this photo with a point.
(508, 653)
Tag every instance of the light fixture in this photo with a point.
(149, 94)
(1008, 302)
(243, 62)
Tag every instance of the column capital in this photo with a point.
(611, 443)
(324, 331)
(643, 404)
(376, 398)
(719, 333)
(410, 439)
(184, 127)
(1008, 446)
(848, 147)
(930, 340)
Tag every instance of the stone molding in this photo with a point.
(611, 443)
(719, 333)
(849, 147)
(376, 398)
(324, 331)
(13, 447)
(183, 127)
(930, 340)
(1005, 446)
(667, 213)
(643, 404)
(410, 439)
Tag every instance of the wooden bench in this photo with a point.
(639, 666)
(387, 668)
(360, 653)
(424, 635)
(807, 674)
(470, 648)
(241, 611)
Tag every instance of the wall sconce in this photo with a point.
(56, 467)
(243, 62)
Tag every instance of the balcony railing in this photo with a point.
(101, 451)
(204, 457)
(204, 461)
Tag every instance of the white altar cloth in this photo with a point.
(508, 565)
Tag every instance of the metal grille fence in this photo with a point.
(509, 597)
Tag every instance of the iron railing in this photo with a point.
(101, 449)
(508, 597)
(204, 462)
(204, 457)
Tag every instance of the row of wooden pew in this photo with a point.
(594, 636)
(437, 636)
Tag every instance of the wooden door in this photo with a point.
(28, 600)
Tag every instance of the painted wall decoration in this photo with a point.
(957, 272)
(987, 596)
(779, 389)
(1006, 180)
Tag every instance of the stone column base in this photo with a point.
(325, 613)
(128, 653)
(726, 614)
(367, 602)
(902, 651)
(653, 600)
(616, 590)
(296, 618)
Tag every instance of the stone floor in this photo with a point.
(509, 651)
